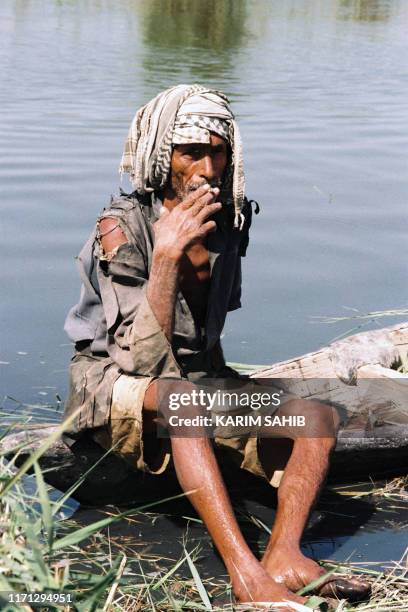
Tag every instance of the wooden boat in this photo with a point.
(358, 373)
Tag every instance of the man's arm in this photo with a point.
(174, 232)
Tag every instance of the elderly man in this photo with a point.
(160, 272)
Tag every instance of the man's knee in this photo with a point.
(320, 419)
(169, 396)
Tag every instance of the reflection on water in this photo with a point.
(366, 10)
(199, 42)
(222, 24)
(213, 25)
(203, 40)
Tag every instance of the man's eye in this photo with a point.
(194, 151)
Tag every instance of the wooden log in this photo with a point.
(357, 455)
(343, 358)
(354, 373)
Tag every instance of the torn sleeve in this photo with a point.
(135, 340)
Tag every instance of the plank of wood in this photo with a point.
(319, 364)
(378, 371)
(358, 454)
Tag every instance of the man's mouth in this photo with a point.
(195, 186)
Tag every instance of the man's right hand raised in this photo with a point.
(187, 223)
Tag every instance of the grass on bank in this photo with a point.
(363, 316)
(38, 552)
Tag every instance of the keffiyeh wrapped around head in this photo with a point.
(181, 115)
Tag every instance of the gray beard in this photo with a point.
(183, 192)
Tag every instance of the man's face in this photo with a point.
(193, 165)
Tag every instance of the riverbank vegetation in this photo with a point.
(41, 552)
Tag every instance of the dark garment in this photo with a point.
(113, 326)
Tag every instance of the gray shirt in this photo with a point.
(113, 316)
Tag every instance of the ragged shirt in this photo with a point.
(113, 327)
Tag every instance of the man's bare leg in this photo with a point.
(303, 477)
(197, 470)
(298, 490)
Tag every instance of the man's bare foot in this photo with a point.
(258, 586)
(292, 568)
(296, 571)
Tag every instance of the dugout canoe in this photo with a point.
(359, 373)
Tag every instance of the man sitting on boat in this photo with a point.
(160, 272)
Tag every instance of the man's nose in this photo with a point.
(207, 169)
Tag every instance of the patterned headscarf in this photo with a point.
(181, 115)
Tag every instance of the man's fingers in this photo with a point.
(208, 227)
(208, 210)
(202, 202)
(195, 195)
